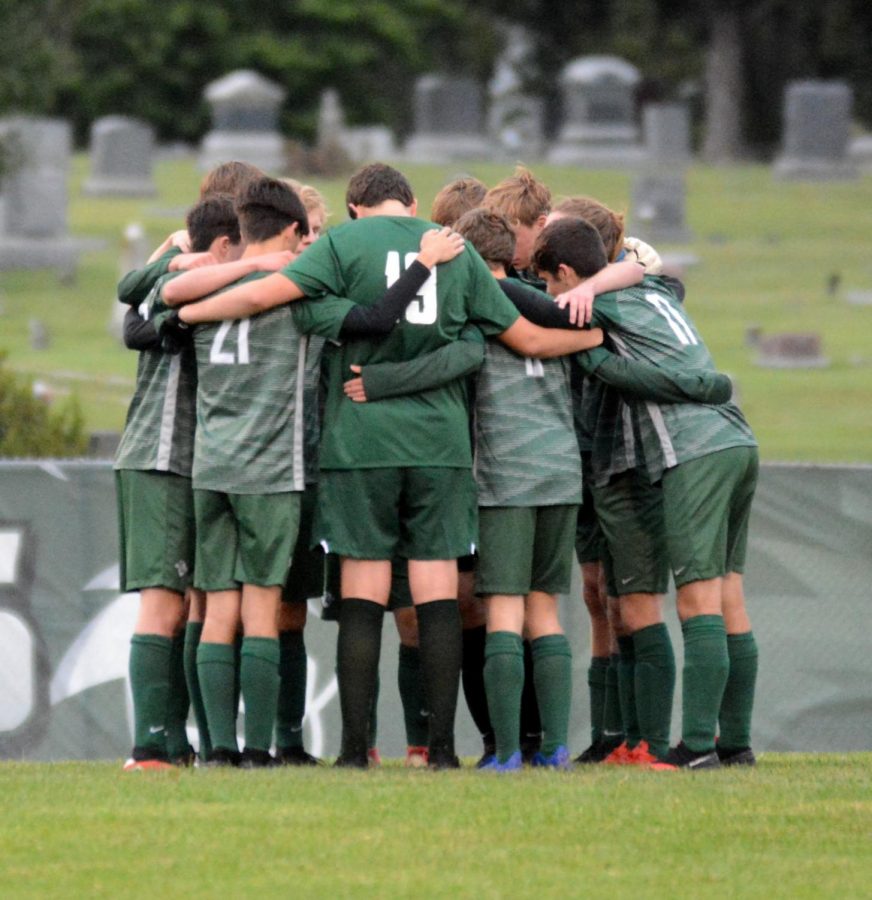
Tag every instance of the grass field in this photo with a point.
(796, 826)
(767, 250)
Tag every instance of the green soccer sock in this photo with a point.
(216, 667)
(259, 677)
(178, 702)
(706, 666)
(292, 689)
(596, 691)
(627, 690)
(237, 670)
(412, 697)
(358, 648)
(193, 630)
(440, 641)
(531, 722)
(655, 685)
(613, 723)
(504, 683)
(738, 701)
(552, 673)
(149, 669)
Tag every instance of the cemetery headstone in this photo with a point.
(801, 350)
(658, 207)
(245, 118)
(666, 127)
(121, 158)
(449, 120)
(599, 114)
(817, 120)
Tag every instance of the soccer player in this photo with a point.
(409, 451)
(153, 479)
(456, 198)
(695, 451)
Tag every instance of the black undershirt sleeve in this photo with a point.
(139, 333)
(381, 318)
(539, 310)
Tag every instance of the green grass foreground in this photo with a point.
(796, 826)
(767, 252)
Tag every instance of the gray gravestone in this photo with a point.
(33, 229)
(449, 120)
(791, 351)
(515, 119)
(360, 144)
(817, 120)
(658, 207)
(121, 155)
(666, 127)
(860, 152)
(599, 114)
(245, 115)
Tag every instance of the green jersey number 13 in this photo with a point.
(422, 310)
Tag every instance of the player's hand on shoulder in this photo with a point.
(440, 246)
(354, 388)
(186, 261)
(580, 302)
(181, 240)
(273, 262)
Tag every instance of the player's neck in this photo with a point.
(386, 208)
(273, 245)
(497, 271)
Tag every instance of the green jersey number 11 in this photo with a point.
(422, 310)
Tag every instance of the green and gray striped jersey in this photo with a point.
(312, 407)
(159, 432)
(526, 452)
(135, 286)
(250, 424)
(647, 322)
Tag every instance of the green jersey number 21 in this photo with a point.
(422, 310)
(220, 355)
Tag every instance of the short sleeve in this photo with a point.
(316, 272)
(489, 308)
(323, 317)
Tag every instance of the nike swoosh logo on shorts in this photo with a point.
(155, 729)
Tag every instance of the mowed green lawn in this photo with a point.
(767, 250)
(796, 826)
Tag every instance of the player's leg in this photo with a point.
(268, 527)
(179, 748)
(156, 535)
(734, 720)
(193, 634)
(409, 681)
(438, 526)
(553, 546)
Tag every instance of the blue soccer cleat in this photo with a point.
(559, 759)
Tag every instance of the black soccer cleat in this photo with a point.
(223, 757)
(682, 757)
(295, 756)
(352, 761)
(440, 761)
(252, 758)
(736, 756)
(595, 753)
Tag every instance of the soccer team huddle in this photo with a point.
(437, 418)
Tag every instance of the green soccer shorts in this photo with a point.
(707, 507)
(306, 576)
(244, 538)
(413, 513)
(525, 548)
(630, 512)
(589, 540)
(156, 530)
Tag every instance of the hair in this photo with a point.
(229, 178)
(266, 207)
(607, 222)
(456, 198)
(374, 184)
(571, 242)
(490, 233)
(521, 198)
(211, 218)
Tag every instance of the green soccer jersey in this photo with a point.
(135, 286)
(159, 432)
(359, 260)
(648, 323)
(526, 452)
(250, 424)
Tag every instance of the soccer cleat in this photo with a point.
(682, 757)
(186, 759)
(442, 760)
(642, 757)
(515, 763)
(374, 757)
(618, 756)
(295, 756)
(353, 761)
(146, 765)
(595, 753)
(417, 757)
(252, 758)
(223, 757)
(559, 759)
(741, 756)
